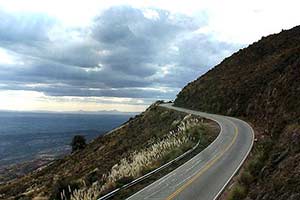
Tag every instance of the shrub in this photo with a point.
(92, 177)
(246, 178)
(256, 164)
(78, 143)
(237, 193)
(123, 181)
(63, 189)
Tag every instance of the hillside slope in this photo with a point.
(142, 144)
(96, 159)
(262, 84)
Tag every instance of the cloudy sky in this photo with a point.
(101, 55)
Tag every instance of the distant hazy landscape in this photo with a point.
(25, 136)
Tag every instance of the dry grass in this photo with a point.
(139, 162)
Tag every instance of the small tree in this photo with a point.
(78, 143)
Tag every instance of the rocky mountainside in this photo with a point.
(261, 84)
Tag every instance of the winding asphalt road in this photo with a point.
(205, 176)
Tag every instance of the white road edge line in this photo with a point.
(241, 163)
(221, 130)
(110, 194)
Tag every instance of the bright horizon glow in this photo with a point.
(36, 101)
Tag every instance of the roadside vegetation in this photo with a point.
(259, 83)
(252, 170)
(183, 137)
(111, 160)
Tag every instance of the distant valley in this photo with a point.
(29, 140)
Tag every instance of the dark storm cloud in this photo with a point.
(50, 72)
(123, 54)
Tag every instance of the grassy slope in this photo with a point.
(207, 131)
(102, 154)
(262, 84)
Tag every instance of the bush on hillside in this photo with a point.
(78, 143)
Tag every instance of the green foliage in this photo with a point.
(239, 192)
(78, 143)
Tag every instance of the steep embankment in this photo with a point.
(262, 84)
(142, 144)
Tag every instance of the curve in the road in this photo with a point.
(206, 175)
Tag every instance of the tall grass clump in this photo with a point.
(140, 162)
(252, 170)
(239, 192)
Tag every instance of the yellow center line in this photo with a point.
(207, 166)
